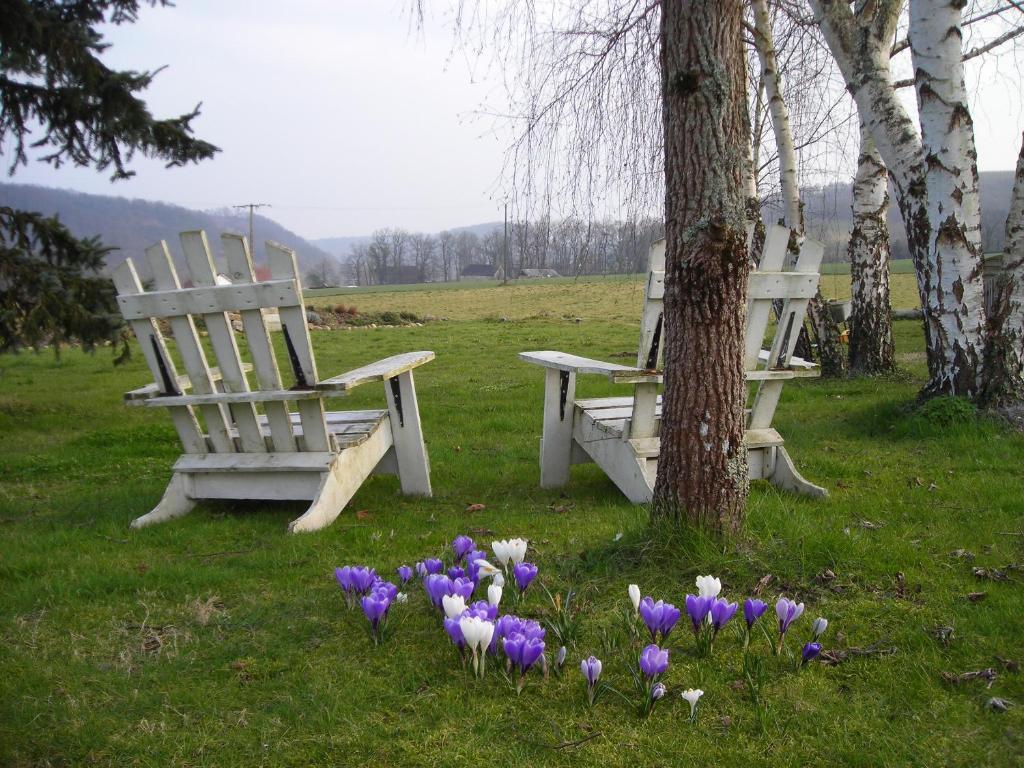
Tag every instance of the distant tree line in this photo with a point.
(570, 247)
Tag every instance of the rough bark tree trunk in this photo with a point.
(1004, 355)
(871, 348)
(948, 288)
(702, 467)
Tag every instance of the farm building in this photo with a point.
(538, 273)
(481, 272)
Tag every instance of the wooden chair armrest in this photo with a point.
(142, 394)
(617, 374)
(796, 363)
(382, 370)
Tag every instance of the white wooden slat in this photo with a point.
(222, 339)
(253, 462)
(380, 370)
(235, 399)
(192, 354)
(161, 365)
(619, 374)
(781, 285)
(759, 310)
(651, 349)
(407, 433)
(218, 298)
(184, 382)
(556, 443)
(643, 420)
(300, 350)
(268, 376)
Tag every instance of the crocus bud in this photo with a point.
(634, 596)
(493, 594)
(819, 627)
(657, 691)
(560, 658)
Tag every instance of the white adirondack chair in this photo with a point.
(240, 452)
(620, 434)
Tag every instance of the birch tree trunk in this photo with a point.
(1004, 363)
(702, 467)
(955, 288)
(871, 349)
(948, 274)
(825, 329)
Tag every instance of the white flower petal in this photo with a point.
(634, 596)
(453, 605)
(494, 594)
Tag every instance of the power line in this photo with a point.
(252, 207)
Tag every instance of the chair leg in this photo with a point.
(340, 482)
(410, 451)
(556, 442)
(785, 475)
(175, 503)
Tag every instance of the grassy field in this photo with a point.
(218, 640)
(615, 298)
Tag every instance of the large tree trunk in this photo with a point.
(871, 349)
(945, 273)
(1004, 363)
(956, 291)
(702, 467)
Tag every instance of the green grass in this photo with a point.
(220, 640)
(616, 298)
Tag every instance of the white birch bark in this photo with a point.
(1004, 369)
(871, 350)
(948, 284)
(956, 300)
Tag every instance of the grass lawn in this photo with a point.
(219, 640)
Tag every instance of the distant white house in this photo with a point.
(538, 273)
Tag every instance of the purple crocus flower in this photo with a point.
(462, 586)
(344, 577)
(658, 616)
(404, 573)
(524, 573)
(384, 588)
(811, 650)
(451, 626)
(753, 609)
(456, 573)
(375, 606)
(462, 546)
(788, 611)
(483, 610)
(437, 586)
(363, 579)
(522, 651)
(721, 612)
(591, 669)
(433, 565)
(472, 569)
(658, 691)
(653, 661)
(697, 609)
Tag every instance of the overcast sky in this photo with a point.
(345, 119)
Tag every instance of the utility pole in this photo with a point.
(505, 274)
(252, 207)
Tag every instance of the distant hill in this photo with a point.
(340, 247)
(132, 225)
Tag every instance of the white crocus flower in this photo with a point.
(708, 586)
(401, 597)
(472, 631)
(692, 696)
(485, 569)
(518, 550)
(819, 627)
(634, 596)
(453, 605)
(494, 594)
(499, 579)
(502, 552)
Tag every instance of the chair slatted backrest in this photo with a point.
(771, 281)
(211, 303)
